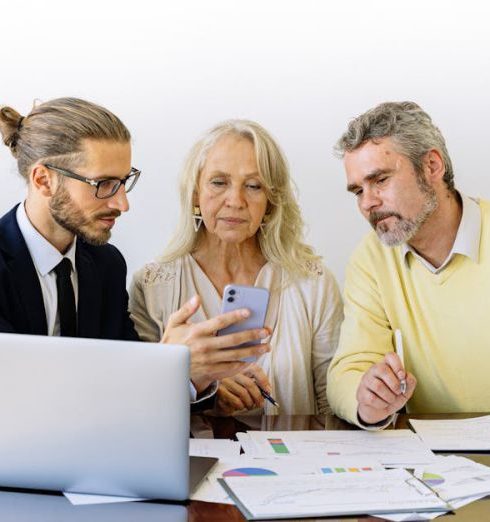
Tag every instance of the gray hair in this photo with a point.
(56, 129)
(281, 237)
(408, 125)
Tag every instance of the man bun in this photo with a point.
(54, 131)
(10, 126)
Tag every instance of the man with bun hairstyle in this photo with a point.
(58, 274)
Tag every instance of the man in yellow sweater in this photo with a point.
(425, 270)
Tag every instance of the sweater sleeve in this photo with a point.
(148, 329)
(365, 336)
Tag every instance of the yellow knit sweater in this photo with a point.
(444, 319)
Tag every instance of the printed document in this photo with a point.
(455, 478)
(393, 448)
(455, 434)
(211, 491)
(331, 495)
(219, 448)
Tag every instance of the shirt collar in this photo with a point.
(44, 255)
(467, 241)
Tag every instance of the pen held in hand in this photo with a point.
(399, 352)
(267, 396)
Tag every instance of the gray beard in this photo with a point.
(404, 229)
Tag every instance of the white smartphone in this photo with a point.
(254, 299)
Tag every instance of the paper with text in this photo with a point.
(211, 491)
(334, 495)
(455, 434)
(396, 448)
(219, 448)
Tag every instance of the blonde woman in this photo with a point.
(241, 224)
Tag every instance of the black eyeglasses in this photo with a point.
(104, 188)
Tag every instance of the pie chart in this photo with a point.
(248, 472)
(431, 479)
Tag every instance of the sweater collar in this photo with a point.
(467, 241)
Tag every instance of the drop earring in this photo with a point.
(196, 216)
(263, 223)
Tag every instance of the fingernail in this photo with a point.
(263, 334)
(244, 312)
(193, 300)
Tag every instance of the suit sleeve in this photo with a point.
(128, 331)
(6, 306)
(5, 326)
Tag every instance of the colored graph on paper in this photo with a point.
(432, 479)
(345, 470)
(278, 446)
(334, 494)
(270, 467)
(248, 472)
(454, 477)
(396, 448)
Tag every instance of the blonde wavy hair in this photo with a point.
(281, 237)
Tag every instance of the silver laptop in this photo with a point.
(51, 507)
(95, 416)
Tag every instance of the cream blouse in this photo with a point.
(304, 315)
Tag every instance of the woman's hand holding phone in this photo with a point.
(213, 358)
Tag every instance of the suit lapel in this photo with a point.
(24, 273)
(29, 291)
(89, 294)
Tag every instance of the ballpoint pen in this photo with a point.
(399, 352)
(267, 396)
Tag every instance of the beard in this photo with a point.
(404, 229)
(72, 218)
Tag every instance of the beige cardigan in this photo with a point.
(304, 316)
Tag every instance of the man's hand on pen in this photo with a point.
(212, 358)
(241, 392)
(379, 393)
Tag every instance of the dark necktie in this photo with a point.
(66, 299)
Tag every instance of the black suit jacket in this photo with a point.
(102, 297)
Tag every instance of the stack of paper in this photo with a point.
(455, 478)
(331, 495)
(286, 474)
(211, 491)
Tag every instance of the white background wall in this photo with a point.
(300, 68)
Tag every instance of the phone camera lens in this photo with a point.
(232, 292)
(230, 299)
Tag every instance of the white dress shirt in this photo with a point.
(45, 258)
(467, 241)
